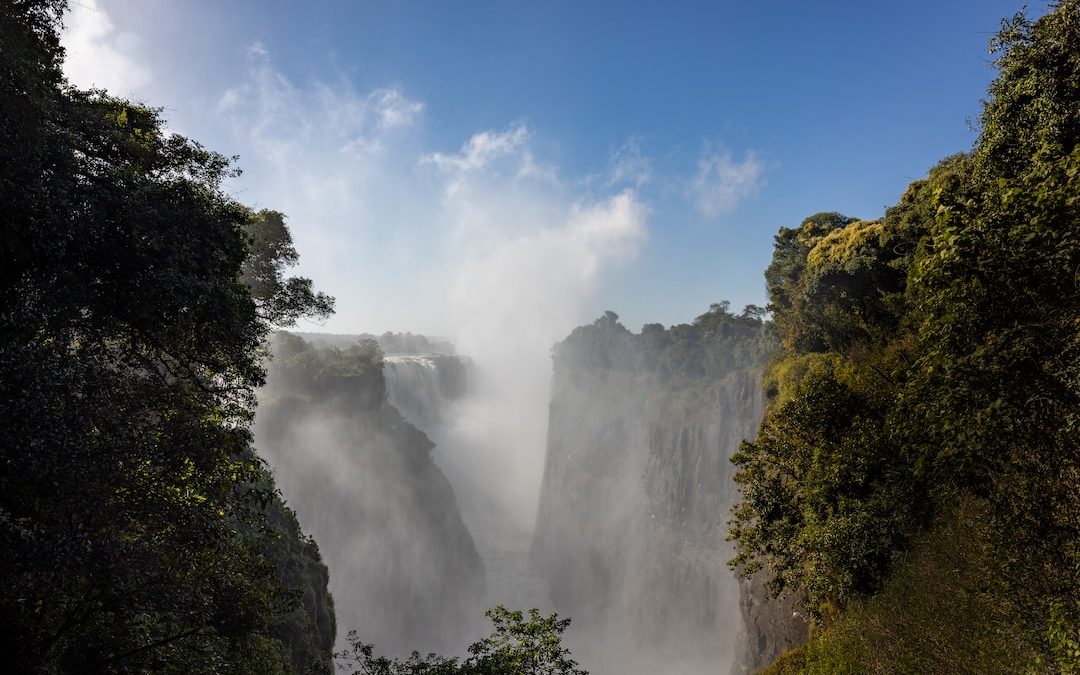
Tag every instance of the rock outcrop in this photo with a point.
(772, 625)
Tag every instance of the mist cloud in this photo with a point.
(529, 256)
(98, 55)
(484, 244)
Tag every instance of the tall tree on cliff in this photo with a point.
(994, 397)
(931, 363)
(133, 533)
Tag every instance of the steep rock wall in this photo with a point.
(638, 487)
(440, 395)
(772, 626)
(404, 571)
(632, 520)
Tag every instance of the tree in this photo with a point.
(784, 277)
(994, 399)
(280, 301)
(133, 532)
(930, 369)
(516, 646)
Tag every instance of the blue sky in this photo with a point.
(456, 167)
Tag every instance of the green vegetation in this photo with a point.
(390, 343)
(716, 344)
(516, 646)
(945, 609)
(917, 476)
(316, 375)
(138, 530)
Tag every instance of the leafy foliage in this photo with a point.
(280, 300)
(516, 646)
(133, 531)
(716, 344)
(930, 360)
(830, 494)
(995, 392)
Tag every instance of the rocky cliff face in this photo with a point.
(404, 571)
(772, 626)
(631, 530)
(442, 396)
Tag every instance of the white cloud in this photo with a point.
(482, 149)
(509, 152)
(722, 183)
(393, 110)
(320, 153)
(258, 50)
(100, 56)
(535, 281)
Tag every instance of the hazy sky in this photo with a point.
(539, 162)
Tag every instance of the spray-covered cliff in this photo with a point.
(631, 530)
(451, 401)
(404, 571)
(422, 386)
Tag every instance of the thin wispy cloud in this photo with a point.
(630, 166)
(722, 183)
(510, 149)
(481, 149)
(393, 109)
(283, 119)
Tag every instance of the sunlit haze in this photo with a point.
(548, 157)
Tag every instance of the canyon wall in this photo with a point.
(631, 530)
(404, 571)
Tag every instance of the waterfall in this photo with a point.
(414, 387)
(431, 392)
